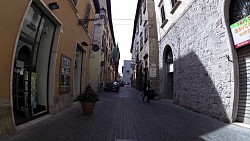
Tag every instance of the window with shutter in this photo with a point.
(173, 2)
(163, 17)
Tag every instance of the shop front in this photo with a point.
(31, 66)
(240, 29)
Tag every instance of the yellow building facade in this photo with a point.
(101, 69)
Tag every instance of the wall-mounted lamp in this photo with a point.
(84, 44)
(54, 5)
(102, 15)
(95, 47)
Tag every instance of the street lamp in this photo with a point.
(54, 5)
(102, 14)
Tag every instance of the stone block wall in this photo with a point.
(153, 45)
(203, 76)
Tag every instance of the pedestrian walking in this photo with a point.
(146, 87)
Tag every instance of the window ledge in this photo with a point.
(177, 4)
(164, 23)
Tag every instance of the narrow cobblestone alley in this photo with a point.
(123, 116)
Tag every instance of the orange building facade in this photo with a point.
(44, 63)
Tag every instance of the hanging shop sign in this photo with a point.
(241, 32)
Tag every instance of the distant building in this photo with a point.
(144, 47)
(126, 71)
(102, 67)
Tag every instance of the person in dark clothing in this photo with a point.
(146, 87)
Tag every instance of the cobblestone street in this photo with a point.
(123, 116)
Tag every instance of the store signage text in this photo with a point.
(241, 32)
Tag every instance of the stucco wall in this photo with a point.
(203, 76)
(11, 18)
(68, 33)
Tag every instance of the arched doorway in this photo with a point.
(20, 84)
(78, 71)
(239, 12)
(169, 73)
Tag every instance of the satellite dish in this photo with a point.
(95, 47)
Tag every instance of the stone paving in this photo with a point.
(123, 116)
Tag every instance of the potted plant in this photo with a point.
(88, 100)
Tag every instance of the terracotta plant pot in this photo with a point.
(88, 108)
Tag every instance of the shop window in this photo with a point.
(30, 75)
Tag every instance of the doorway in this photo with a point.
(169, 70)
(30, 72)
(78, 71)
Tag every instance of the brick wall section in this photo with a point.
(153, 44)
(203, 77)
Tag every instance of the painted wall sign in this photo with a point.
(241, 32)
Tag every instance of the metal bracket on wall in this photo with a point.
(228, 58)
